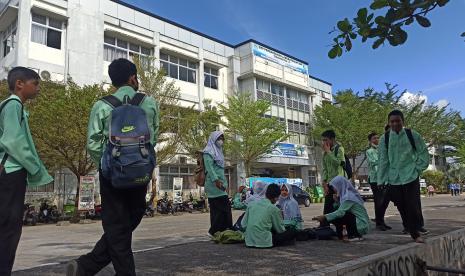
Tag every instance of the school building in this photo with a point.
(79, 38)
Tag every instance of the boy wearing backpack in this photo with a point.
(333, 165)
(20, 164)
(403, 156)
(122, 134)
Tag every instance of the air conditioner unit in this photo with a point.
(45, 75)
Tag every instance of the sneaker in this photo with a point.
(72, 268)
(381, 227)
(405, 232)
(210, 235)
(387, 227)
(423, 231)
(355, 239)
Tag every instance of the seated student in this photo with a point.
(259, 191)
(350, 213)
(239, 197)
(290, 208)
(263, 224)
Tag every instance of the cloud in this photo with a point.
(442, 103)
(411, 98)
(444, 85)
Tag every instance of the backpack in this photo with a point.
(200, 174)
(5, 156)
(408, 131)
(346, 164)
(129, 157)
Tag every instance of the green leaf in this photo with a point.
(378, 43)
(362, 13)
(409, 21)
(442, 3)
(401, 36)
(423, 21)
(353, 35)
(364, 32)
(344, 25)
(348, 44)
(333, 52)
(463, 34)
(370, 17)
(380, 20)
(339, 51)
(379, 4)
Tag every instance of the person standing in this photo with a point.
(403, 156)
(216, 184)
(430, 190)
(333, 165)
(122, 208)
(381, 200)
(20, 164)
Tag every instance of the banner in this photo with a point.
(270, 180)
(278, 58)
(177, 189)
(86, 193)
(289, 150)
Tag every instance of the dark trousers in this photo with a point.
(285, 238)
(406, 198)
(328, 205)
(350, 221)
(122, 211)
(381, 202)
(12, 191)
(220, 214)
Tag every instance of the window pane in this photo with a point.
(214, 72)
(214, 82)
(164, 57)
(182, 73)
(164, 66)
(146, 51)
(55, 23)
(108, 53)
(54, 39)
(183, 62)
(173, 71)
(134, 48)
(120, 54)
(184, 170)
(174, 59)
(39, 34)
(192, 65)
(122, 44)
(39, 19)
(206, 70)
(174, 170)
(206, 81)
(192, 77)
(109, 40)
(163, 169)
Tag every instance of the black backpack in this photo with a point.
(345, 165)
(408, 131)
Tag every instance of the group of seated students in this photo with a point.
(273, 217)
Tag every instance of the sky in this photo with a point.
(432, 61)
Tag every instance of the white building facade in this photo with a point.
(79, 38)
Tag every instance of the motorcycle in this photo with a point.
(164, 205)
(30, 216)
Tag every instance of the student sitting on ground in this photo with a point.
(239, 197)
(263, 224)
(290, 208)
(259, 191)
(350, 213)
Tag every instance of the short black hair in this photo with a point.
(387, 128)
(371, 135)
(329, 134)
(20, 73)
(396, 112)
(120, 70)
(273, 191)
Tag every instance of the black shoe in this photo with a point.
(405, 231)
(387, 227)
(423, 231)
(381, 227)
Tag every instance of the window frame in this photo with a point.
(48, 27)
(173, 61)
(209, 75)
(128, 51)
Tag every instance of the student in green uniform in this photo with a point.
(263, 222)
(401, 161)
(290, 208)
(380, 198)
(239, 197)
(333, 160)
(122, 209)
(216, 184)
(20, 163)
(350, 212)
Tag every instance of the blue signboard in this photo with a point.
(273, 56)
(270, 180)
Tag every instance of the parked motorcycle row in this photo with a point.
(46, 214)
(166, 206)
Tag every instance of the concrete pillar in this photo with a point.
(23, 33)
(201, 88)
(304, 175)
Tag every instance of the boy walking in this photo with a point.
(333, 162)
(403, 156)
(20, 164)
(122, 206)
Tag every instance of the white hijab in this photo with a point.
(213, 150)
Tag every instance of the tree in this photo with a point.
(250, 135)
(58, 122)
(197, 127)
(392, 16)
(435, 178)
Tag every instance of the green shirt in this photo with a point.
(97, 131)
(359, 211)
(402, 164)
(332, 164)
(16, 140)
(259, 220)
(372, 159)
(214, 172)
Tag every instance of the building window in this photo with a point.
(8, 39)
(46, 31)
(211, 77)
(298, 132)
(298, 100)
(312, 178)
(270, 92)
(179, 68)
(115, 48)
(168, 173)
